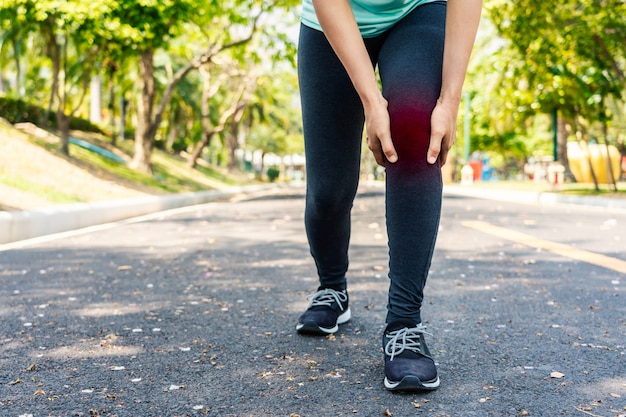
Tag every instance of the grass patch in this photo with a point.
(171, 174)
(51, 194)
(36, 166)
(580, 189)
(605, 190)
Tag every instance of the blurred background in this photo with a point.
(102, 99)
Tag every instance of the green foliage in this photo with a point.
(273, 173)
(42, 41)
(533, 57)
(141, 25)
(563, 54)
(274, 116)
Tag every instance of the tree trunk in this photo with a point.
(20, 82)
(112, 104)
(208, 90)
(609, 164)
(145, 133)
(112, 114)
(123, 104)
(63, 123)
(262, 167)
(172, 134)
(233, 139)
(233, 145)
(562, 148)
(197, 151)
(55, 55)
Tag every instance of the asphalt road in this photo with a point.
(192, 313)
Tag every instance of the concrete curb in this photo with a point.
(21, 225)
(543, 198)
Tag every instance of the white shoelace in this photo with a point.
(326, 297)
(405, 339)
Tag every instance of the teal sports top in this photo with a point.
(373, 16)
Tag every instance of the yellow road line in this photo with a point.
(558, 248)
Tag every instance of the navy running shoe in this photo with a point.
(326, 311)
(409, 365)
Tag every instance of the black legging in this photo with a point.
(409, 58)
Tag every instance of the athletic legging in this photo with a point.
(409, 58)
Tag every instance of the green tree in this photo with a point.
(561, 56)
(146, 51)
(12, 45)
(71, 31)
(272, 120)
(217, 109)
(153, 25)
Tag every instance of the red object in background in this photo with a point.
(477, 166)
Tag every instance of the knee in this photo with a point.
(410, 128)
(328, 201)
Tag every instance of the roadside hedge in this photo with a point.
(20, 111)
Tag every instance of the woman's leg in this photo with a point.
(410, 64)
(333, 125)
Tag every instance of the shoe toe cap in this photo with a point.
(422, 368)
(325, 319)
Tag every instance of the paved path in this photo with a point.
(192, 313)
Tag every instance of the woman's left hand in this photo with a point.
(442, 131)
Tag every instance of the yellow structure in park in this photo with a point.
(583, 157)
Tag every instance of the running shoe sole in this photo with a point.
(411, 383)
(311, 327)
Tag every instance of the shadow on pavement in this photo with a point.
(195, 314)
